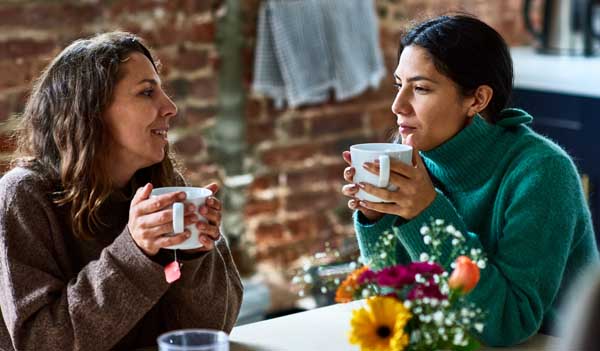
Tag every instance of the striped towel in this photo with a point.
(307, 48)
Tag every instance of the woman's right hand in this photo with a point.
(150, 218)
(351, 189)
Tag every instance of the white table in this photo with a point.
(323, 329)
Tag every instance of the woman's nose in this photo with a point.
(169, 108)
(399, 103)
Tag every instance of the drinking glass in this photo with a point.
(194, 340)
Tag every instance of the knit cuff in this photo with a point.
(367, 234)
(410, 235)
(145, 274)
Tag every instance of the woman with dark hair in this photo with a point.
(477, 166)
(82, 258)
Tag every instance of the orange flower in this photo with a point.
(465, 275)
(346, 290)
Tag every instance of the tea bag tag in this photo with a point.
(172, 270)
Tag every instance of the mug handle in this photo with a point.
(178, 218)
(384, 171)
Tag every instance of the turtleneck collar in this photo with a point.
(467, 160)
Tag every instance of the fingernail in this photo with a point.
(361, 185)
(362, 204)
(181, 196)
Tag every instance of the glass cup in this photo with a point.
(194, 340)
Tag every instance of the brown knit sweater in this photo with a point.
(58, 292)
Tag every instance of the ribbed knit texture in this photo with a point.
(517, 196)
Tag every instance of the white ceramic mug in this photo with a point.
(361, 153)
(196, 196)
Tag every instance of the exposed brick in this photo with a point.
(259, 132)
(295, 127)
(178, 87)
(7, 143)
(247, 65)
(256, 206)
(336, 124)
(268, 233)
(4, 166)
(189, 59)
(203, 32)
(5, 108)
(18, 74)
(191, 6)
(202, 173)
(282, 155)
(309, 176)
(49, 14)
(263, 182)
(15, 48)
(253, 109)
(121, 7)
(312, 200)
(308, 226)
(204, 88)
(336, 147)
(383, 124)
(190, 145)
(195, 115)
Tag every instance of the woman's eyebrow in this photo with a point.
(416, 78)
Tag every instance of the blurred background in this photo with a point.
(280, 162)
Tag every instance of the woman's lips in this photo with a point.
(404, 129)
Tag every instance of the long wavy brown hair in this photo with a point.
(62, 131)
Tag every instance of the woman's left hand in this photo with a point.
(415, 190)
(209, 231)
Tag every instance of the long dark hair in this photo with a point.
(62, 130)
(469, 52)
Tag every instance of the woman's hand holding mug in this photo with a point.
(409, 192)
(154, 223)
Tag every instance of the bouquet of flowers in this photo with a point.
(418, 306)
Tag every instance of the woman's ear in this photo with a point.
(480, 99)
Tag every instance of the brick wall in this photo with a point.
(294, 204)
(182, 34)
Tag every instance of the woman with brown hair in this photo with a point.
(82, 242)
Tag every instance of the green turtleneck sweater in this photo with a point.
(518, 197)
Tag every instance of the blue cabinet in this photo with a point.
(574, 123)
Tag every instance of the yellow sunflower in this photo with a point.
(380, 325)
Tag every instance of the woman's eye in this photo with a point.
(398, 86)
(148, 92)
(421, 89)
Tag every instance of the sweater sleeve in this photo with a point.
(42, 305)
(542, 209)
(368, 234)
(208, 294)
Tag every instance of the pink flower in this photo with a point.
(367, 276)
(396, 276)
(425, 267)
(420, 291)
